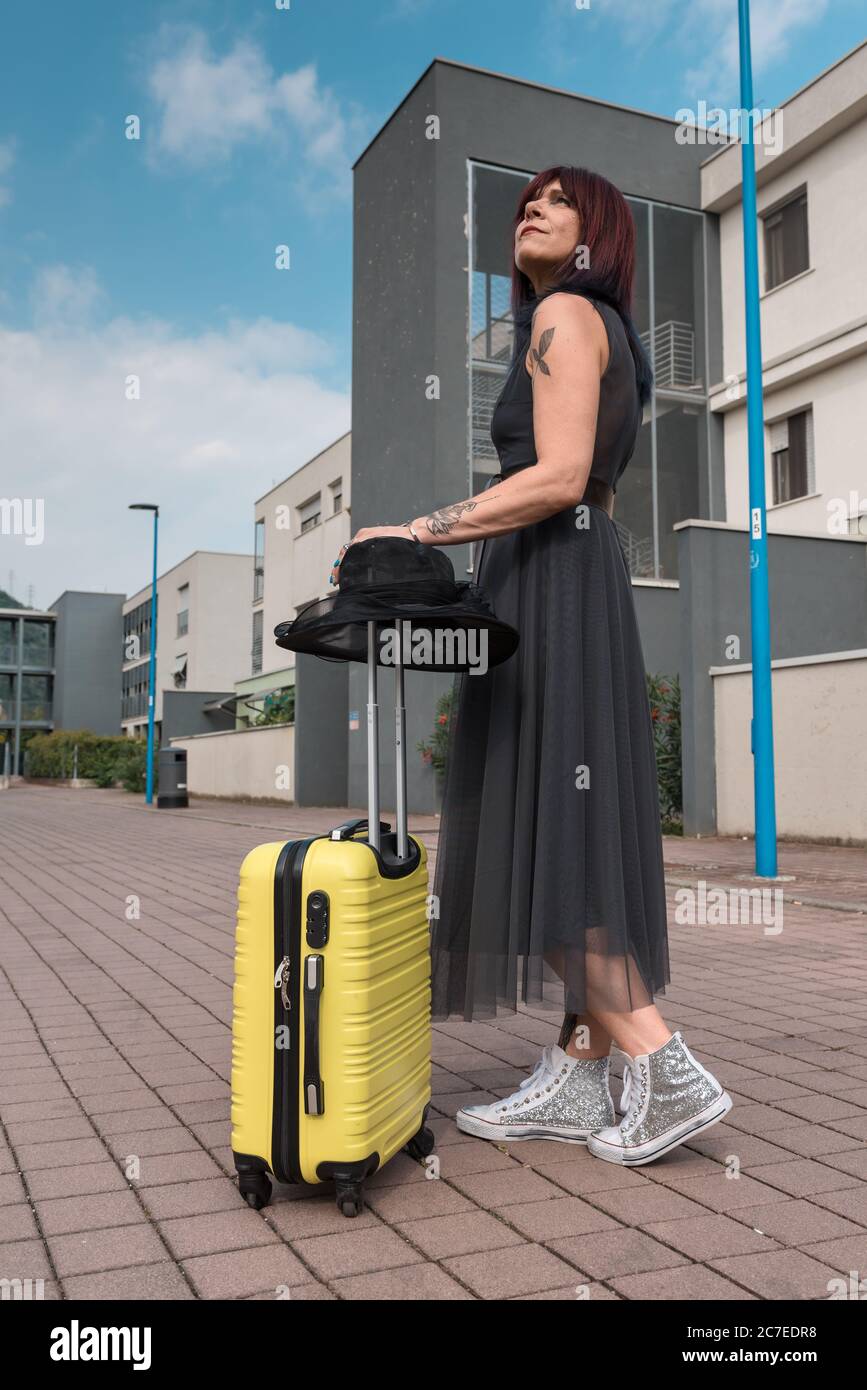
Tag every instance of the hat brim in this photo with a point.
(429, 639)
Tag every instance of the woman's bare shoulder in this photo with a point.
(577, 319)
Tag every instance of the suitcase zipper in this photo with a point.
(281, 982)
(288, 939)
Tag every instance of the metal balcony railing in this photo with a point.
(673, 355)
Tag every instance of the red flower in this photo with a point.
(443, 719)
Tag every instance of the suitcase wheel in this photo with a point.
(421, 1145)
(255, 1188)
(350, 1198)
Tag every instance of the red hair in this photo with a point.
(608, 232)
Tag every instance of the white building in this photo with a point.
(203, 632)
(812, 233)
(300, 526)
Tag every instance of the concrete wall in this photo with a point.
(818, 601)
(321, 734)
(184, 713)
(242, 764)
(658, 610)
(410, 299)
(821, 765)
(88, 639)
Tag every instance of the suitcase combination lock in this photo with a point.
(317, 920)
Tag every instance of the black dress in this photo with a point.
(549, 864)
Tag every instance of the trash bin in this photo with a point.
(172, 789)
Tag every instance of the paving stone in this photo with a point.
(354, 1252)
(603, 1254)
(464, 1234)
(240, 1273)
(779, 1274)
(519, 1269)
(140, 1282)
(87, 1252)
(427, 1282)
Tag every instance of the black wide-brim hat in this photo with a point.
(409, 590)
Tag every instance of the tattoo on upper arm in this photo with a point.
(441, 522)
(537, 354)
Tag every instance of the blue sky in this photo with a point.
(156, 257)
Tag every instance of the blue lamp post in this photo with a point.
(760, 618)
(152, 663)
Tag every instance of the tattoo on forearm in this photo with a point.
(441, 522)
(538, 353)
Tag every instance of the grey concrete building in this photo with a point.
(435, 193)
(87, 687)
(59, 670)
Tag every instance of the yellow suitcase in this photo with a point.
(331, 1007)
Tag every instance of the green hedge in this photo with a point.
(104, 758)
(664, 695)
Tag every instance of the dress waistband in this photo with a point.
(596, 492)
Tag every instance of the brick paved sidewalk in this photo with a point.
(114, 1042)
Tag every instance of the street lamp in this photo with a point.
(152, 663)
(760, 618)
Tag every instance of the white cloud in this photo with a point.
(221, 416)
(7, 159)
(209, 106)
(703, 35)
(61, 294)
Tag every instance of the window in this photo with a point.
(792, 457)
(257, 642)
(36, 698)
(787, 251)
(337, 497)
(8, 642)
(183, 610)
(259, 560)
(7, 699)
(38, 643)
(179, 673)
(309, 514)
(137, 631)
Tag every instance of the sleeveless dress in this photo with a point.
(549, 867)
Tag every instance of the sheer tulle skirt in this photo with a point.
(549, 864)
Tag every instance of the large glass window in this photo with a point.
(38, 643)
(667, 479)
(36, 698)
(7, 698)
(8, 642)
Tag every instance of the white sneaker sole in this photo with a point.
(513, 1134)
(663, 1143)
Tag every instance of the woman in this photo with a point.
(550, 850)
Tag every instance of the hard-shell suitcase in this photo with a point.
(331, 1018)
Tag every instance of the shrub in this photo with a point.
(103, 758)
(664, 695)
(434, 750)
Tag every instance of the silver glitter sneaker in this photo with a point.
(565, 1098)
(668, 1098)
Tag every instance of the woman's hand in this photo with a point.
(366, 533)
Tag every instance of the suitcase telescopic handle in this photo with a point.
(373, 822)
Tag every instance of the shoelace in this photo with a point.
(546, 1069)
(629, 1100)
